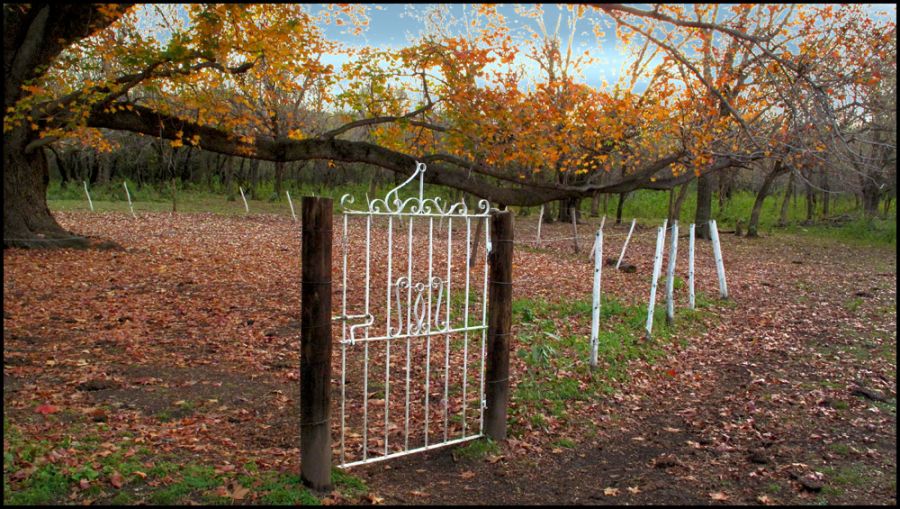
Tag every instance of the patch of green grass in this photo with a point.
(842, 449)
(853, 304)
(47, 485)
(349, 486)
(476, 449)
(122, 498)
(840, 405)
(856, 474)
(773, 487)
(283, 489)
(564, 442)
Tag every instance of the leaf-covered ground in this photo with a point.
(167, 372)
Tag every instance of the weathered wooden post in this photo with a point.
(595, 310)
(670, 275)
(691, 267)
(625, 245)
(315, 343)
(499, 322)
(717, 252)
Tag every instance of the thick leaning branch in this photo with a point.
(146, 121)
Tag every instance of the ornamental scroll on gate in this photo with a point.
(413, 326)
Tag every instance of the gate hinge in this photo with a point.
(489, 246)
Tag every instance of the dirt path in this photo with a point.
(186, 343)
(767, 407)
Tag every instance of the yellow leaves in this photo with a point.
(176, 143)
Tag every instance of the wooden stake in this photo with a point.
(717, 252)
(499, 320)
(315, 343)
(670, 275)
(246, 207)
(574, 227)
(91, 203)
(691, 267)
(540, 221)
(291, 203)
(130, 206)
(657, 265)
(625, 245)
(595, 310)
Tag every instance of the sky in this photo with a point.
(394, 25)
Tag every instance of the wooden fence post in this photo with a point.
(499, 322)
(315, 343)
(540, 221)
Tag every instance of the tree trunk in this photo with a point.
(753, 224)
(279, 176)
(620, 206)
(679, 201)
(473, 255)
(870, 197)
(566, 206)
(27, 221)
(810, 203)
(704, 206)
(595, 205)
(782, 220)
(254, 178)
(826, 194)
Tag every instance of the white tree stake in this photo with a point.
(691, 267)
(717, 252)
(595, 316)
(574, 226)
(594, 247)
(246, 207)
(88, 195)
(130, 206)
(625, 245)
(288, 193)
(540, 220)
(670, 275)
(657, 265)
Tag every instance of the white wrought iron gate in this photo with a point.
(413, 326)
